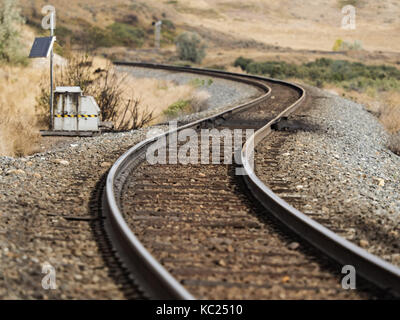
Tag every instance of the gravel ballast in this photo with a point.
(48, 210)
(339, 171)
(47, 216)
(48, 200)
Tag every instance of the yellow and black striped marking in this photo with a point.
(75, 116)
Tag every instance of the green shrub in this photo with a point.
(337, 45)
(217, 67)
(63, 32)
(242, 63)
(190, 47)
(168, 32)
(176, 108)
(124, 34)
(116, 34)
(201, 82)
(273, 69)
(343, 3)
(106, 86)
(97, 37)
(168, 24)
(182, 64)
(10, 27)
(341, 45)
(349, 75)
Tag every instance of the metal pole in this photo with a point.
(158, 35)
(51, 74)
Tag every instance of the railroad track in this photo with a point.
(202, 231)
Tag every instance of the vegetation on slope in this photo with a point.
(11, 23)
(349, 75)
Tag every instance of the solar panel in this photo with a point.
(41, 47)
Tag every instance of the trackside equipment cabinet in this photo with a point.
(75, 112)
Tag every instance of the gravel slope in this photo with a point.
(340, 172)
(222, 92)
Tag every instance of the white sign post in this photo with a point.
(52, 27)
(158, 35)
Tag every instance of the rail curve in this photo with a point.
(155, 280)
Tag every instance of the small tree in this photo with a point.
(10, 28)
(190, 47)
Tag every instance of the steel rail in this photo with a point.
(372, 268)
(149, 274)
(159, 283)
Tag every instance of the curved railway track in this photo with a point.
(203, 230)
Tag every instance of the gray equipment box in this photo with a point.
(75, 112)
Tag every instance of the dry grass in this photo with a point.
(296, 23)
(390, 111)
(199, 101)
(288, 23)
(153, 94)
(20, 122)
(394, 144)
(157, 95)
(19, 133)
